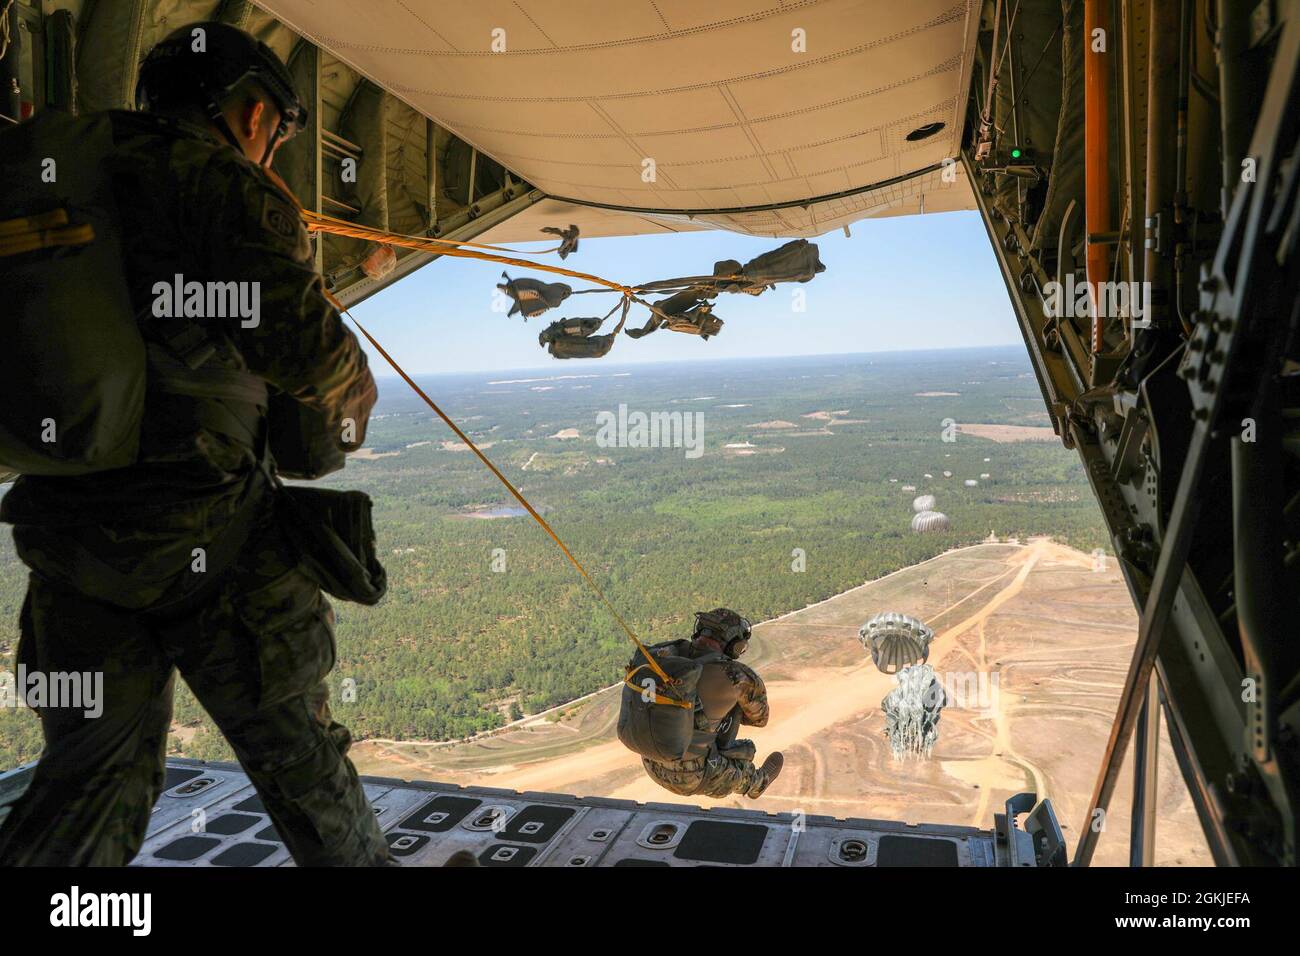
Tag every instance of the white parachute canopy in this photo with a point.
(971, 483)
(924, 503)
(912, 712)
(896, 640)
(926, 522)
(985, 476)
(947, 474)
(909, 487)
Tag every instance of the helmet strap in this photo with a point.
(218, 119)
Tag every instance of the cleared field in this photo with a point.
(1002, 434)
(1034, 636)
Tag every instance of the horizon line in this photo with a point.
(551, 368)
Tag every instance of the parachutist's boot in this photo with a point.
(770, 770)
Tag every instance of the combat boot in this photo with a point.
(770, 770)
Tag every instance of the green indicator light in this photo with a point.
(1015, 154)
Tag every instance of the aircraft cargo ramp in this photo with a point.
(209, 815)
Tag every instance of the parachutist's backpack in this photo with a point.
(75, 362)
(72, 377)
(658, 722)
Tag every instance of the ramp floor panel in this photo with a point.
(209, 815)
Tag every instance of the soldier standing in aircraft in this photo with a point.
(729, 694)
(177, 562)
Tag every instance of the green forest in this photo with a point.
(485, 619)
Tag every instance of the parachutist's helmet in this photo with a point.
(203, 63)
(726, 627)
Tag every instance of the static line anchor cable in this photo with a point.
(650, 659)
(319, 222)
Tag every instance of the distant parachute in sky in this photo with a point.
(923, 503)
(912, 712)
(985, 476)
(925, 522)
(971, 483)
(909, 487)
(947, 474)
(927, 475)
(896, 640)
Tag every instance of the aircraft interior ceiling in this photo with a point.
(744, 117)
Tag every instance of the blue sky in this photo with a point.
(916, 282)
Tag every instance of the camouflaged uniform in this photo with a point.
(113, 588)
(718, 773)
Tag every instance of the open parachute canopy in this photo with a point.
(929, 522)
(896, 641)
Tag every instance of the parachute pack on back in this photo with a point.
(648, 723)
(72, 375)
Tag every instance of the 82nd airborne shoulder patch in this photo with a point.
(278, 217)
(281, 227)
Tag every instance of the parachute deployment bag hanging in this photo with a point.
(72, 376)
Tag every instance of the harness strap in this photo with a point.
(43, 231)
(658, 698)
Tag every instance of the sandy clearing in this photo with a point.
(461, 446)
(1038, 617)
(810, 705)
(369, 454)
(1006, 434)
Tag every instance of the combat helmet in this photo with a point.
(726, 627)
(209, 60)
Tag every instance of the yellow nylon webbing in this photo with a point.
(45, 220)
(318, 222)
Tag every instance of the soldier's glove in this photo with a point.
(740, 750)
